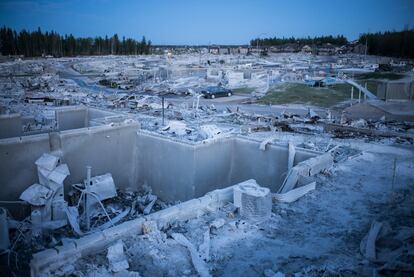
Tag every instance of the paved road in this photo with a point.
(220, 104)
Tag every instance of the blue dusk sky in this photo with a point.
(208, 22)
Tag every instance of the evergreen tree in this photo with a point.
(37, 43)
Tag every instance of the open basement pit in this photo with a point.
(203, 174)
(175, 170)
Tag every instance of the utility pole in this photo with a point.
(162, 99)
(366, 46)
(352, 95)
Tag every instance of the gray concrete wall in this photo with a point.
(108, 149)
(214, 164)
(71, 118)
(267, 167)
(17, 168)
(175, 170)
(97, 113)
(181, 171)
(166, 165)
(10, 125)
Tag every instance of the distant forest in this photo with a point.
(38, 43)
(392, 44)
(338, 40)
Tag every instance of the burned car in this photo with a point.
(216, 91)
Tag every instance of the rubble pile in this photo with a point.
(92, 206)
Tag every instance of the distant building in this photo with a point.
(244, 50)
(356, 47)
(214, 50)
(306, 49)
(224, 50)
(326, 49)
(285, 48)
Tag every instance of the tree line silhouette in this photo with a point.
(38, 43)
(393, 44)
(337, 40)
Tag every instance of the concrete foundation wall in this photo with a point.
(97, 113)
(17, 168)
(71, 118)
(10, 125)
(108, 149)
(175, 170)
(166, 165)
(181, 171)
(268, 168)
(214, 164)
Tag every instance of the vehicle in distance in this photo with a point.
(216, 91)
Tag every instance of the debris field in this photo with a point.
(127, 166)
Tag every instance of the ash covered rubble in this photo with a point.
(54, 220)
(31, 84)
(316, 224)
(198, 240)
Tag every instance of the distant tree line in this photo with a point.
(392, 44)
(38, 43)
(337, 40)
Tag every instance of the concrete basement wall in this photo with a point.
(214, 165)
(267, 167)
(181, 171)
(68, 118)
(97, 113)
(17, 168)
(166, 165)
(76, 117)
(10, 125)
(174, 169)
(108, 149)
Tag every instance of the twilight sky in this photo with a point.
(208, 21)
